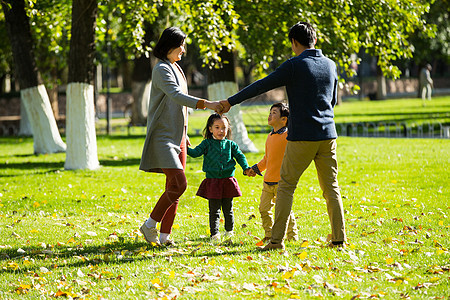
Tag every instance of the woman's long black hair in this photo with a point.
(208, 134)
(171, 38)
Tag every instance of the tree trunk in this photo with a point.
(140, 89)
(80, 113)
(33, 94)
(141, 96)
(25, 128)
(222, 84)
(247, 71)
(53, 90)
(53, 98)
(37, 105)
(381, 85)
(141, 82)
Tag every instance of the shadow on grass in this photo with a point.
(108, 254)
(53, 166)
(120, 163)
(19, 155)
(58, 166)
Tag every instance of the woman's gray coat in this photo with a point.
(165, 121)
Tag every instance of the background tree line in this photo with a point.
(46, 44)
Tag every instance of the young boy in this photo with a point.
(271, 163)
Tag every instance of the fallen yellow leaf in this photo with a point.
(303, 255)
(287, 275)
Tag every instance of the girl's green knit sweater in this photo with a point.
(219, 157)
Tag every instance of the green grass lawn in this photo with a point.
(410, 112)
(74, 234)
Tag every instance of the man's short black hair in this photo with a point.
(303, 33)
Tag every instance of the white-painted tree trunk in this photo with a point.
(25, 128)
(80, 128)
(381, 87)
(141, 97)
(46, 136)
(222, 90)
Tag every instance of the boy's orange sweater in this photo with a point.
(273, 157)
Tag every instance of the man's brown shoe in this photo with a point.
(336, 245)
(272, 246)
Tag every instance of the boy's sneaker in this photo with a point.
(150, 235)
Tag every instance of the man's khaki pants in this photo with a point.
(297, 157)
(268, 196)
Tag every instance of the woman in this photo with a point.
(165, 144)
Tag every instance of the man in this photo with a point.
(311, 85)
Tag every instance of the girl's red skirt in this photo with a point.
(219, 188)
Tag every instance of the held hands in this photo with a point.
(214, 105)
(220, 107)
(225, 105)
(249, 172)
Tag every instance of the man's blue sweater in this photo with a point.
(311, 85)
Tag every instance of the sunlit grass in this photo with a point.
(75, 233)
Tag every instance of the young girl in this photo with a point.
(219, 159)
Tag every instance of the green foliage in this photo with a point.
(380, 27)
(126, 21)
(50, 24)
(5, 48)
(212, 24)
(428, 47)
(384, 28)
(263, 35)
(256, 28)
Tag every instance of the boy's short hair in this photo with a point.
(303, 33)
(284, 110)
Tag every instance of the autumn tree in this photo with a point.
(51, 28)
(212, 25)
(80, 118)
(34, 96)
(381, 28)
